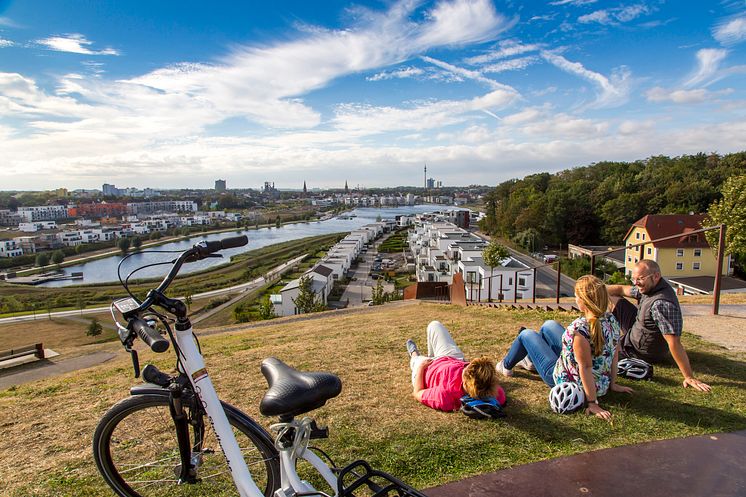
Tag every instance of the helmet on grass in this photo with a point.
(483, 408)
(635, 369)
(566, 397)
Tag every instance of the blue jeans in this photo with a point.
(543, 348)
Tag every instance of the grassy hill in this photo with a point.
(47, 426)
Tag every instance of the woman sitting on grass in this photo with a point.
(584, 353)
(441, 378)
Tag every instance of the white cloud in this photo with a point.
(508, 48)
(367, 119)
(74, 43)
(510, 65)
(613, 91)
(708, 63)
(731, 32)
(699, 95)
(615, 15)
(468, 74)
(573, 2)
(402, 73)
(5, 43)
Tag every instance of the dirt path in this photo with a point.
(728, 328)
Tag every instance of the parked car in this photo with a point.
(550, 258)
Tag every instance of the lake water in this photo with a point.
(105, 270)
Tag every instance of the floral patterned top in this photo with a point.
(566, 368)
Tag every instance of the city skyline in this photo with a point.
(144, 95)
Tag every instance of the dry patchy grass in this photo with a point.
(47, 426)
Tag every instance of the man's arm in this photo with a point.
(419, 379)
(619, 290)
(682, 361)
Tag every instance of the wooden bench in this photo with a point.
(27, 350)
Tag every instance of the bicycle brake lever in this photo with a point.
(135, 362)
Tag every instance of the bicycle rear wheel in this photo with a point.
(137, 453)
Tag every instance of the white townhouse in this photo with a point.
(70, 238)
(42, 213)
(35, 226)
(10, 248)
(441, 249)
(285, 305)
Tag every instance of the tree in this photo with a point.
(42, 259)
(124, 245)
(731, 211)
(278, 222)
(493, 254)
(94, 329)
(57, 257)
(136, 243)
(378, 296)
(267, 309)
(306, 301)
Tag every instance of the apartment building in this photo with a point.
(10, 248)
(43, 213)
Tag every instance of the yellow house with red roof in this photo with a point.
(686, 256)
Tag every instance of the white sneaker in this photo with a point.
(526, 364)
(503, 370)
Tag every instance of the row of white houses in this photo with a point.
(441, 249)
(330, 268)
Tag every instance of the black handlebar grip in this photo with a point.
(148, 335)
(236, 241)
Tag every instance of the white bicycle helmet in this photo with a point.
(566, 397)
(635, 369)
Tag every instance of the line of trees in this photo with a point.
(596, 204)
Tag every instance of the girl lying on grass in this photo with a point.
(584, 353)
(441, 378)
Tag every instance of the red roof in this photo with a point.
(663, 225)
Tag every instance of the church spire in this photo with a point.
(347, 190)
(304, 188)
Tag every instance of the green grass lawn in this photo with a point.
(47, 425)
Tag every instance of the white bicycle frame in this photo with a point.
(291, 484)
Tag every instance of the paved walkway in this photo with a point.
(45, 368)
(704, 466)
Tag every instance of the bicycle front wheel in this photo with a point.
(137, 453)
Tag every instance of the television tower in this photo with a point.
(425, 176)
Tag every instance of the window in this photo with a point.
(697, 252)
(637, 249)
(629, 258)
(510, 280)
(695, 266)
(637, 235)
(637, 260)
(522, 281)
(643, 236)
(679, 266)
(679, 252)
(650, 251)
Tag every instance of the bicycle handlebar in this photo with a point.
(148, 335)
(197, 252)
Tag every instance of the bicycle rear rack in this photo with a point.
(359, 473)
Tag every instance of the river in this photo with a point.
(105, 270)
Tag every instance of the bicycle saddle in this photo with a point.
(292, 392)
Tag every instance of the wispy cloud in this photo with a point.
(402, 73)
(615, 16)
(699, 95)
(508, 48)
(573, 2)
(612, 92)
(8, 22)
(469, 74)
(510, 65)
(708, 63)
(368, 119)
(731, 31)
(74, 43)
(5, 43)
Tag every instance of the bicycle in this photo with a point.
(173, 435)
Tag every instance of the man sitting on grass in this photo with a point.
(653, 327)
(441, 378)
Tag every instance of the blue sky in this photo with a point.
(173, 94)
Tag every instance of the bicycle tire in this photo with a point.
(136, 452)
